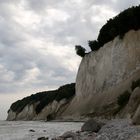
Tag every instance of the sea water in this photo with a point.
(31, 130)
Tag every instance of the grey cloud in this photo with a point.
(100, 2)
(77, 29)
(117, 5)
(50, 69)
(37, 6)
(120, 6)
(40, 6)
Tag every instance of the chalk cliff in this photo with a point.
(106, 74)
(45, 105)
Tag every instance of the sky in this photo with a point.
(38, 38)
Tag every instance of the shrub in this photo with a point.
(80, 50)
(66, 91)
(19, 105)
(94, 45)
(119, 25)
(116, 26)
(123, 99)
(49, 97)
(135, 84)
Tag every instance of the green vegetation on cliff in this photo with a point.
(44, 98)
(127, 20)
(80, 50)
(119, 25)
(135, 84)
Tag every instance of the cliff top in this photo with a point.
(127, 20)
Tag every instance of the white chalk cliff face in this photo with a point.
(29, 113)
(104, 75)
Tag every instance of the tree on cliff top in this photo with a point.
(80, 50)
(94, 45)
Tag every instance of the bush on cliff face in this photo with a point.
(135, 84)
(46, 97)
(80, 50)
(123, 99)
(65, 91)
(94, 45)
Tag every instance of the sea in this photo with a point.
(32, 130)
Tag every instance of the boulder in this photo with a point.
(91, 125)
(31, 130)
(70, 135)
(43, 138)
(119, 129)
(102, 137)
(77, 136)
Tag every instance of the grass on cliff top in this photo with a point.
(44, 98)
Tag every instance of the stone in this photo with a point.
(43, 138)
(136, 103)
(77, 136)
(70, 134)
(102, 137)
(137, 137)
(91, 125)
(119, 129)
(31, 130)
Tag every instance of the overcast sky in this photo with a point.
(37, 39)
